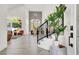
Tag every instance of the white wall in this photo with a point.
(3, 27)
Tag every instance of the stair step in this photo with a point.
(46, 43)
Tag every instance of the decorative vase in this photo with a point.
(56, 48)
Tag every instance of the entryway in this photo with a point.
(35, 20)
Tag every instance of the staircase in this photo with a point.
(45, 43)
(44, 40)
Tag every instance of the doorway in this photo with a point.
(35, 20)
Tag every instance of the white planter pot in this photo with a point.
(58, 51)
(55, 50)
(61, 40)
(56, 43)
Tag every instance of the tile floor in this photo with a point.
(24, 45)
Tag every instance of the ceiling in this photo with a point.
(13, 6)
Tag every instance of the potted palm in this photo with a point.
(55, 18)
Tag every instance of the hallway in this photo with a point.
(15, 20)
(24, 45)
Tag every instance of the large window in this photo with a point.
(16, 25)
(15, 22)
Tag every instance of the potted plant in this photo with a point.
(54, 19)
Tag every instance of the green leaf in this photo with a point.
(56, 17)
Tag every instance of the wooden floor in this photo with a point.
(24, 45)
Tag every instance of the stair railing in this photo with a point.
(43, 29)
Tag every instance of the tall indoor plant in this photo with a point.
(54, 18)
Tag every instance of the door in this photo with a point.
(77, 31)
(70, 32)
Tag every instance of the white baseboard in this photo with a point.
(2, 48)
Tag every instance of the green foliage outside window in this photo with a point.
(16, 25)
